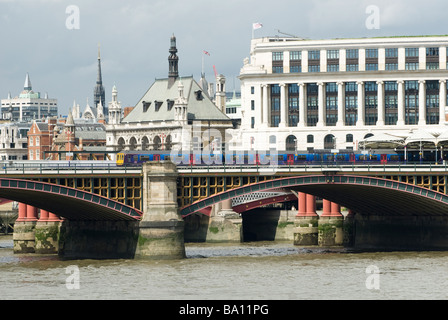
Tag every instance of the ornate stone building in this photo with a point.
(175, 112)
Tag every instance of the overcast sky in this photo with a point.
(134, 36)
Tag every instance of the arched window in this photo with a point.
(121, 144)
(132, 144)
(157, 143)
(291, 143)
(329, 142)
(349, 138)
(168, 143)
(310, 138)
(145, 143)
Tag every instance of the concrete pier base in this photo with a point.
(24, 238)
(161, 240)
(306, 231)
(47, 237)
(225, 229)
(98, 239)
(330, 231)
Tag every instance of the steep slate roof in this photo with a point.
(198, 109)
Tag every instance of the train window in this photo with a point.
(301, 157)
(363, 157)
(144, 158)
(340, 158)
(330, 158)
(167, 157)
(394, 158)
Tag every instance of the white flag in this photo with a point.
(257, 25)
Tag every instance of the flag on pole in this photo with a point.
(206, 52)
(256, 25)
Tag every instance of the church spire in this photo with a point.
(99, 94)
(173, 61)
(27, 85)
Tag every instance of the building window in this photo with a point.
(391, 66)
(352, 54)
(371, 103)
(391, 53)
(314, 68)
(252, 122)
(351, 103)
(295, 55)
(312, 115)
(293, 105)
(332, 68)
(291, 142)
(432, 58)
(252, 90)
(295, 61)
(349, 138)
(310, 138)
(371, 53)
(371, 66)
(352, 67)
(277, 56)
(432, 102)
(331, 106)
(314, 55)
(333, 54)
(390, 102)
(411, 102)
(275, 105)
(411, 52)
(277, 62)
(252, 105)
(412, 66)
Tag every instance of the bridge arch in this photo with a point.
(364, 195)
(66, 202)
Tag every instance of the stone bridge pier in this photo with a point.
(161, 230)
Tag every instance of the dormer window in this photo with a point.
(199, 95)
(146, 106)
(170, 104)
(157, 105)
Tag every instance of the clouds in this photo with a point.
(134, 37)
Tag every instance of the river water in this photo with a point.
(247, 271)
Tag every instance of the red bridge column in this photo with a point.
(302, 204)
(24, 229)
(331, 225)
(31, 213)
(22, 212)
(306, 231)
(47, 232)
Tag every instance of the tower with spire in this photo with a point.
(99, 95)
(173, 62)
(28, 105)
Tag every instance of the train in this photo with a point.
(137, 158)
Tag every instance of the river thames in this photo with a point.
(247, 271)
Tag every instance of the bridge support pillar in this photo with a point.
(47, 233)
(306, 222)
(331, 225)
(24, 229)
(225, 225)
(161, 230)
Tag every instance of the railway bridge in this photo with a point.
(92, 211)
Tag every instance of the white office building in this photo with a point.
(28, 105)
(332, 94)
